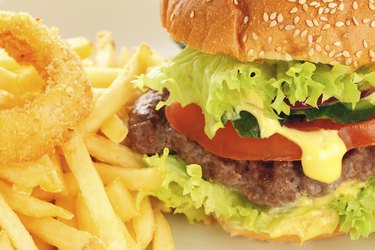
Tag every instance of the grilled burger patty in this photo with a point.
(272, 183)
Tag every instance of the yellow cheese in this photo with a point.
(322, 150)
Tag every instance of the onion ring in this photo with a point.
(28, 132)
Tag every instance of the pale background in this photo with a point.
(133, 22)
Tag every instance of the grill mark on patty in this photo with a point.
(271, 183)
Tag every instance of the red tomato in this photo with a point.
(189, 121)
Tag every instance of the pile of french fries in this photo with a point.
(89, 194)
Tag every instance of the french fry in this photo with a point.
(31, 206)
(8, 62)
(93, 192)
(12, 225)
(40, 173)
(105, 50)
(101, 77)
(81, 45)
(107, 151)
(40, 194)
(22, 190)
(143, 224)
(163, 239)
(67, 203)
(5, 243)
(60, 235)
(133, 178)
(84, 220)
(71, 184)
(41, 244)
(114, 129)
(120, 91)
(122, 200)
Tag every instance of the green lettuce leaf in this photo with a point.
(184, 190)
(217, 82)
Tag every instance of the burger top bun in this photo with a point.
(319, 31)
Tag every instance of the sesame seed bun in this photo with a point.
(325, 31)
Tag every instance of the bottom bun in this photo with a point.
(266, 237)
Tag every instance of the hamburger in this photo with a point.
(266, 121)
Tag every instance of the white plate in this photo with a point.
(133, 22)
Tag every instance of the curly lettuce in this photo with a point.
(352, 206)
(218, 82)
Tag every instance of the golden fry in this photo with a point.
(82, 46)
(31, 206)
(12, 225)
(163, 239)
(120, 91)
(122, 200)
(101, 77)
(84, 220)
(93, 192)
(107, 151)
(60, 235)
(5, 243)
(67, 203)
(133, 178)
(114, 129)
(41, 244)
(144, 224)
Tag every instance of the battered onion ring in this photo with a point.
(30, 131)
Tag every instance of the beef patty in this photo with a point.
(272, 183)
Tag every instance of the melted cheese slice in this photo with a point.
(322, 150)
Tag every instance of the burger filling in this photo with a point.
(285, 148)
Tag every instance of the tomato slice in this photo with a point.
(189, 121)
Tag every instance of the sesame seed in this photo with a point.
(296, 19)
(355, 21)
(292, 1)
(304, 33)
(366, 21)
(347, 22)
(245, 20)
(289, 27)
(337, 44)
(333, 62)
(273, 23)
(333, 11)
(261, 54)
(316, 23)
(265, 17)
(371, 53)
(348, 61)
(332, 5)
(319, 39)
(311, 52)
(372, 24)
(310, 39)
(355, 64)
(313, 4)
(365, 44)
(171, 17)
(318, 48)
(235, 2)
(294, 10)
(192, 14)
(278, 49)
(371, 6)
(338, 55)
(323, 18)
(327, 48)
(305, 7)
(332, 53)
(280, 18)
(327, 10)
(296, 33)
(320, 11)
(301, 1)
(341, 6)
(281, 27)
(359, 53)
(244, 38)
(255, 36)
(355, 5)
(346, 53)
(309, 23)
(250, 52)
(269, 39)
(273, 16)
(288, 57)
(339, 24)
(326, 26)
